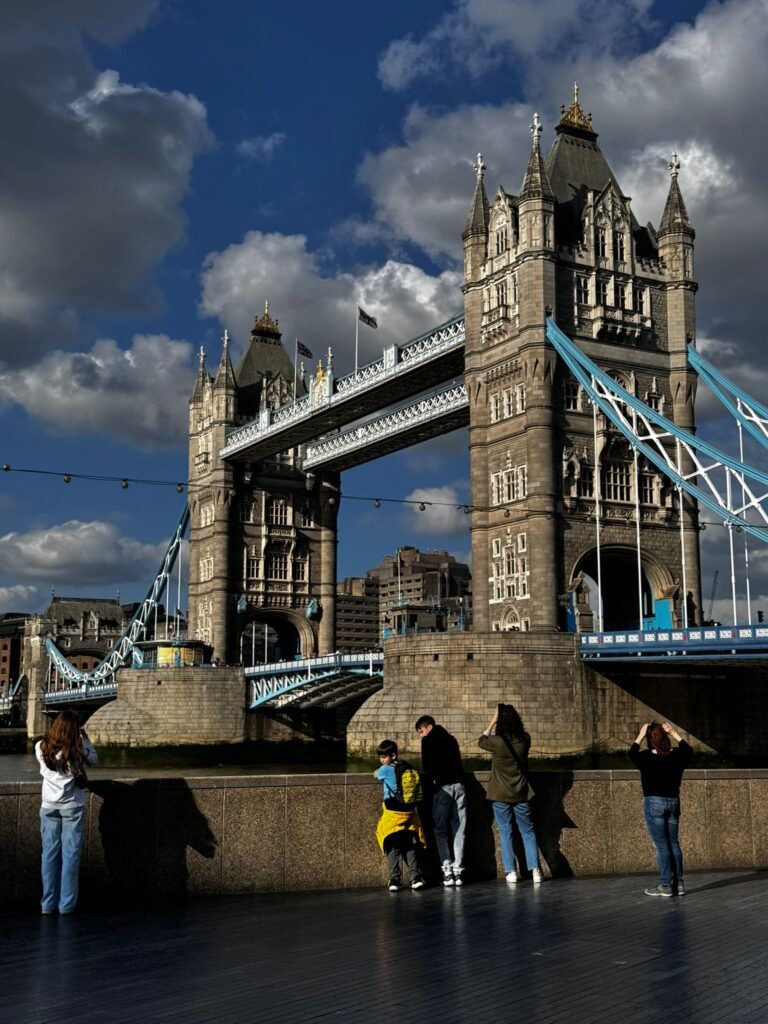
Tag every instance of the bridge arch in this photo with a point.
(620, 590)
(289, 635)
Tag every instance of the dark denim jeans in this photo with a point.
(662, 819)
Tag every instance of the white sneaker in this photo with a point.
(512, 877)
(447, 878)
(537, 877)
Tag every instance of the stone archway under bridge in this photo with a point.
(266, 636)
(622, 593)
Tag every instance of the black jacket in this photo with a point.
(441, 757)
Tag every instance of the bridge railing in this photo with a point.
(696, 642)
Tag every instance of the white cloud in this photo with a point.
(139, 394)
(260, 148)
(18, 598)
(318, 306)
(443, 514)
(91, 200)
(78, 554)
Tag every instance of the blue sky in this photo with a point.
(170, 165)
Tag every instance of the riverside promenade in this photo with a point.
(576, 950)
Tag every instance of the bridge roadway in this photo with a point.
(402, 372)
(574, 951)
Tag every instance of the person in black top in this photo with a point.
(661, 771)
(441, 763)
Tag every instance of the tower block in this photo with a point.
(569, 245)
(262, 565)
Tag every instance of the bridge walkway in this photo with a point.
(576, 950)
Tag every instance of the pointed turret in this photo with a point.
(675, 217)
(536, 183)
(225, 375)
(479, 211)
(201, 379)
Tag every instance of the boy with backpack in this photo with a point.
(399, 831)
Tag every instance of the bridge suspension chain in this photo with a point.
(134, 631)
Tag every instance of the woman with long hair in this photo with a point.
(661, 772)
(509, 788)
(63, 756)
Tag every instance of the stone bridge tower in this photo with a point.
(262, 572)
(568, 244)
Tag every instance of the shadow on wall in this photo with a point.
(145, 833)
(481, 858)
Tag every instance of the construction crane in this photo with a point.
(712, 595)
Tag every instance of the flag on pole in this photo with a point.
(303, 350)
(369, 321)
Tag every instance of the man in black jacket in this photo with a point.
(441, 763)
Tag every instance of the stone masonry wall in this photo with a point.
(151, 839)
(173, 705)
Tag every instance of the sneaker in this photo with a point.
(537, 877)
(512, 877)
(681, 888)
(394, 886)
(659, 890)
(458, 878)
(417, 883)
(447, 878)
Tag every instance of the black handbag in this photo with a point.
(80, 779)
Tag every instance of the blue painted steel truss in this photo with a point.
(732, 489)
(316, 682)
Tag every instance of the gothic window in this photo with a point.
(496, 488)
(547, 231)
(601, 292)
(521, 474)
(495, 406)
(601, 243)
(278, 512)
(246, 512)
(621, 295)
(572, 396)
(277, 567)
(582, 290)
(206, 514)
(501, 293)
(585, 485)
(306, 518)
(251, 568)
(617, 483)
(618, 246)
(496, 547)
(520, 398)
(206, 567)
(638, 300)
(509, 403)
(300, 563)
(654, 401)
(648, 489)
(514, 289)
(502, 240)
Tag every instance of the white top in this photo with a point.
(59, 788)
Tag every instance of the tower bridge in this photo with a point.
(571, 366)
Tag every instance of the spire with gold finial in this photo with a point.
(225, 375)
(265, 328)
(574, 116)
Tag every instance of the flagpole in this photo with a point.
(357, 330)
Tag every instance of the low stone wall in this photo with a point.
(166, 838)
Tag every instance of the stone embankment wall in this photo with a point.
(167, 838)
(568, 707)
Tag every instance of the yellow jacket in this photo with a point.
(399, 821)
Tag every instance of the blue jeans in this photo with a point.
(662, 819)
(449, 812)
(504, 814)
(62, 833)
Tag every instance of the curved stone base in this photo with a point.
(167, 706)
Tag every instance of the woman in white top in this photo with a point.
(62, 757)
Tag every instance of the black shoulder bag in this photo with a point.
(523, 772)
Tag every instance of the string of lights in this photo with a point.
(377, 502)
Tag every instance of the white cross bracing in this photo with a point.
(328, 680)
(396, 362)
(85, 684)
(431, 408)
(727, 486)
(747, 411)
